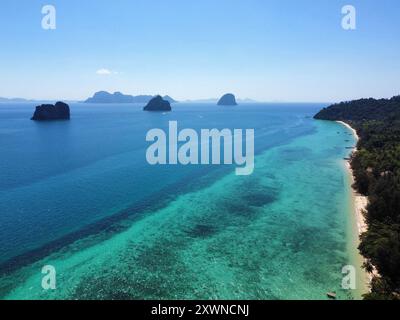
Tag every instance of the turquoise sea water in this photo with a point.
(80, 196)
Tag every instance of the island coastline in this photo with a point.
(360, 201)
(359, 204)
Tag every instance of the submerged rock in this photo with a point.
(59, 111)
(158, 104)
(227, 100)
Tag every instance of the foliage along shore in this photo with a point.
(376, 168)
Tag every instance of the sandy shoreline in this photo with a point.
(360, 201)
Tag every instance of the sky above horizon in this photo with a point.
(267, 50)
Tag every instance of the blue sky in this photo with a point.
(269, 50)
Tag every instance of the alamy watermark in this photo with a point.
(49, 281)
(349, 20)
(49, 21)
(188, 147)
(349, 279)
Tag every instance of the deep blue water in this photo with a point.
(81, 196)
(58, 177)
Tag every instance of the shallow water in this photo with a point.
(80, 196)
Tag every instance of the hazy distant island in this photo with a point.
(23, 100)
(376, 169)
(14, 100)
(45, 112)
(227, 100)
(158, 104)
(118, 97)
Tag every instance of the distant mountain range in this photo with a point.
(18, 100)
(13, 100)
(22, 100)
(118, 97)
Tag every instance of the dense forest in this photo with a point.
(377, 175)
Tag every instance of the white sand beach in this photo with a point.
(360, 201)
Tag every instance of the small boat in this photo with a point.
(331, 295)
